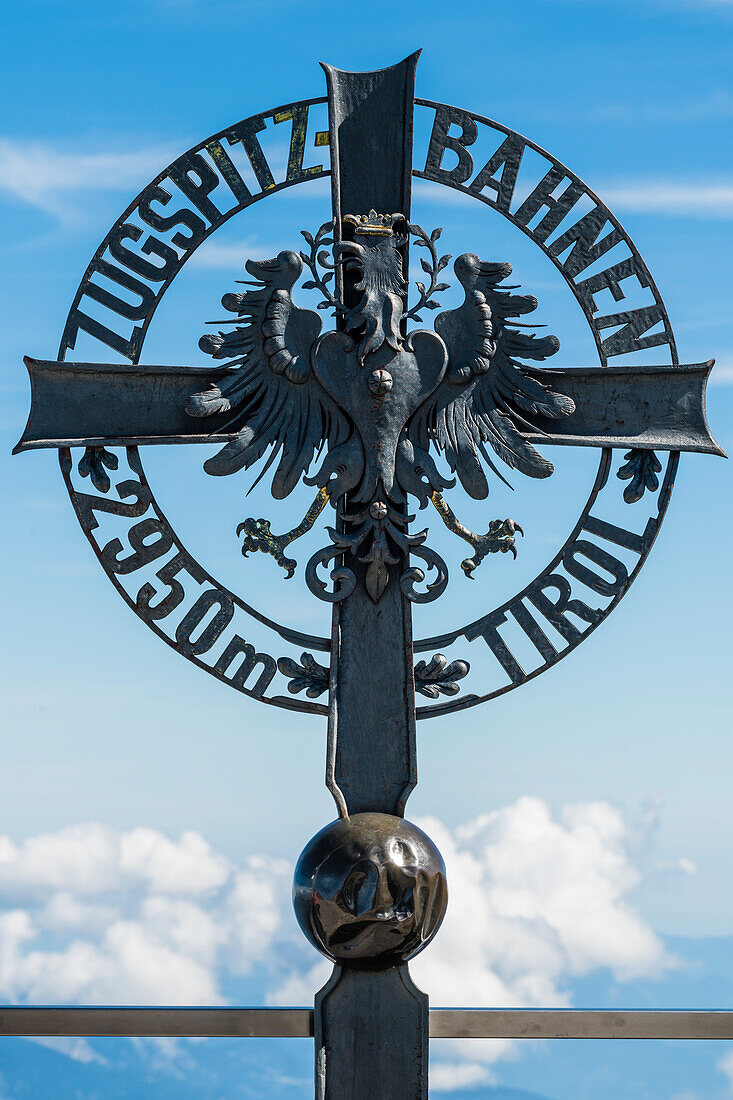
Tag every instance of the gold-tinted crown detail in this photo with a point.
(373, 224)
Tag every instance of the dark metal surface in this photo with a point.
(298, 1023)
(373, 1027)
(371, 763)
(255, 1023)
(371, 1036)
(113, 404)
(437, 677)
(578, 1023)
(369, 891)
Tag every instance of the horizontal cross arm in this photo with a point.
(657, 408)
(297, 1023)
(117, 404)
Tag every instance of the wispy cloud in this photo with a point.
(718, 104)
(660, 196)
(79, 1050)
(702, 199)
(725, 1065)
(47, 177)
(230, 255)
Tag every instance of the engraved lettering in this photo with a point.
(601, 558)
(118, 305)
(508, 157)
(164, 222)
(582, 239)
(441, 140)
(555, 612)
(167, 575)
(77, 321)
(234, 181)
(197, 190)
(640, 544)
(142, 552)
(195, 616)
(630, 337)
(486, 628)
(236, 647)
(299, 116)
(86, 504)
(245, 134)
(558, 207)
(534, 632)
(151, 246)
(611, 279)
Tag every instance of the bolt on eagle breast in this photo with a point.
(376, 396)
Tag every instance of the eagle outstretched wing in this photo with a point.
(486, 390)
(274, 397)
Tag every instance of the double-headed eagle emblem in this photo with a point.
(375, 395)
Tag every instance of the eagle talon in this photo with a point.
(499, 539)
(258, 536)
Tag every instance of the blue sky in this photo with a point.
(144, 804)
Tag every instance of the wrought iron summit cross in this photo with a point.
(379, 395)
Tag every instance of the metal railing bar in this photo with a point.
(255, 1023)
(297, 1023)
(559, 1023)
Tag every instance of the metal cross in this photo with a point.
(370, 1024)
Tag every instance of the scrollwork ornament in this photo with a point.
(342, 578)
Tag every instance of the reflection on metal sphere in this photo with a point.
(380, 381)
(378, 510)
(369, 891)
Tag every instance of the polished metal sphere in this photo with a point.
(369, 891)
(380, 381)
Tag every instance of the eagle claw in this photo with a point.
(498, 540)
(258, 536)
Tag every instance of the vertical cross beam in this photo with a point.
(371, 1028)
(371, 736)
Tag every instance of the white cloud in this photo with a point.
(702, 199)
(187, 867)
(230, 255)
(45, 176)
(89, 859)
(725, 1065)
(90, 914)
(79, 1050)
(718, 104)
(535, 901)
(447, 1076)
(97, 915)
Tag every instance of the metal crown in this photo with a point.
(373, 224)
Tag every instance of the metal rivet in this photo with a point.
(380, 381)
